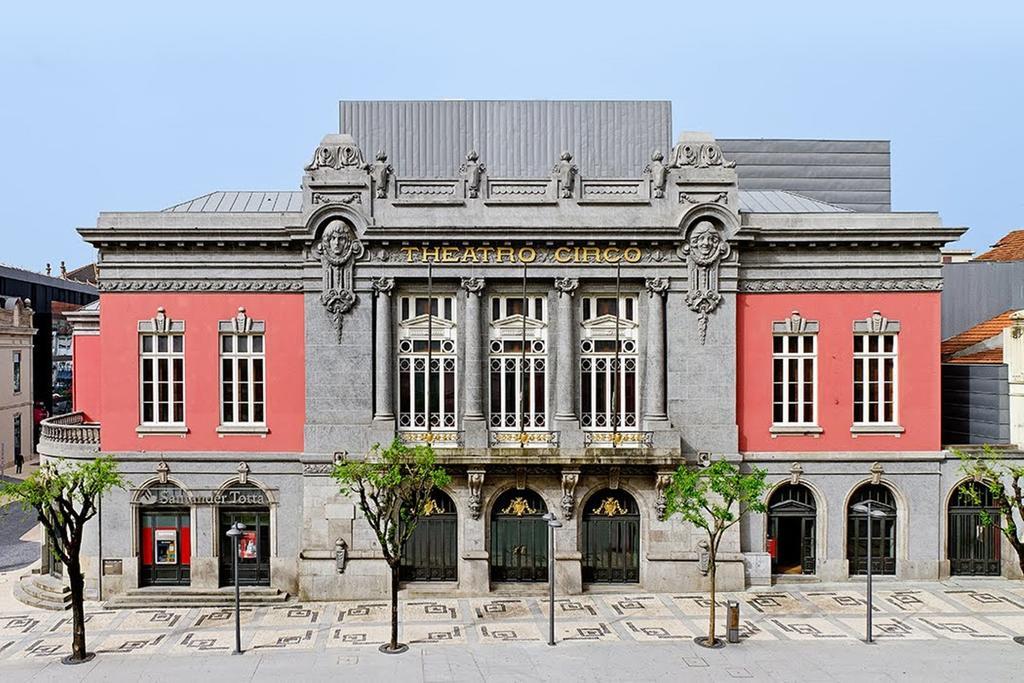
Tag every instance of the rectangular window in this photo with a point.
(518, 360)
(242, 383)
(162, 390)
(874, 378)
(16, 369)
(794, 380)
(609, 387)
(427, 381)
(17, 436)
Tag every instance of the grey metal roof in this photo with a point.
(751, 201)
(241, 202)
(22, 275)
(779, 201)
(515, 138)
(854, 174)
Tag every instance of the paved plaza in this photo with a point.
(812, 632)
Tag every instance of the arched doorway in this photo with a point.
(792, 532)
(431, 553)
(611, 538)
(519, 537)
(165, 536)
(974, 547)
(246, 504)
(883, 531)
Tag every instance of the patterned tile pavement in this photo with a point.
(831, 613)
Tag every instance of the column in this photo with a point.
(654, 377)
(565, 405)
(474, 410)
(384, 378)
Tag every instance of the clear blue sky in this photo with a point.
(139, 105)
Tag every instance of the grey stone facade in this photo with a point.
(680, 245)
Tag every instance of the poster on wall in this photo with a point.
(247, 545)
(166, 546)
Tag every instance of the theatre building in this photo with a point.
(567, 306)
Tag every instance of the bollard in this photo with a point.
(732, 621)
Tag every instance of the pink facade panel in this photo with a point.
(918, 391)
(202, 313)
(86, 379)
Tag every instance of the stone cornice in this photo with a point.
(841, 285)
(200, 286)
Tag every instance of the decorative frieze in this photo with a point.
(336, 198)
(214, 285)
(844, 285)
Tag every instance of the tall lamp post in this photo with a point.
(868, 510)
(235, 534)
(553, 524)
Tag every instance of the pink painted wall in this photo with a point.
(918, 379)
(86, 376)
(285, 370)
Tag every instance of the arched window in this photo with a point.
(974, 546)
(883, 531)
(792, 533)
(611, 538)
(519, 537)
(431, 553)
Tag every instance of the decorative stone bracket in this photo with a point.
(338, 249)
(569, 480)
(661, 482)
(704, 250)
(475, 479)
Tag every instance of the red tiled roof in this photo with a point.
(976, 335)
(1009, 248)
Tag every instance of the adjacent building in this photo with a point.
(16, 332)
(567, 307)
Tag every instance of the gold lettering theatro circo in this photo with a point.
(521, 254)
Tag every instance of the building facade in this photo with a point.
(16, 332)
(564, 328)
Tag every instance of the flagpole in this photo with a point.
(618, 368)
(430, 341)
(522, 372)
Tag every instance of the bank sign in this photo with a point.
(177, 497)
(563, 254)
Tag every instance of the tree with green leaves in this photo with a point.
(714, 498)
(64, 496)
(1005, 482)
(393, 487)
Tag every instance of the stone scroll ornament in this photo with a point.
(338, 249)
(704, 251)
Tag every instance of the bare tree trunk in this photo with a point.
(394, 606)
(712, 570)
(77, 581)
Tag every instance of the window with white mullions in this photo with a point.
(162, 356)
(874, 378)
(609, 390)
(795, 372)
(243, 381)
(427, 379)
(518, 372)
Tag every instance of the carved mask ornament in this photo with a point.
(338, 249)
(704, 251)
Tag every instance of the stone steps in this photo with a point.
(43, 592)
(141, 598)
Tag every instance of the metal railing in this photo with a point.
(70, 429)
(498, 439)
(438, 439)
(618, 439)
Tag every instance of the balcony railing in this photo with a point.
(618, 439)
(66, 432)
(523, 439)
(437, 439)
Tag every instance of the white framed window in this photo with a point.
(162, 375)
(242, 378)
(518, 375)
(16, 371)
(795, 372)
(875, 371)
(609, 389)
(427, 376)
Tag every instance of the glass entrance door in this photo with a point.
(253, 547)
(165, 547)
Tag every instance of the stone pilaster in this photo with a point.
(654, 377)
(565, 405)
(384, 377)
(474, 287)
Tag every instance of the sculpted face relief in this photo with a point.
(564, 254)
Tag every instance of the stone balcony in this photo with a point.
(69, 435)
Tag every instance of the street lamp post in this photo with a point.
(870, 513)
(235, 534)
(553, 524)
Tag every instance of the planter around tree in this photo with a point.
(386, 649)
(703, 642)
